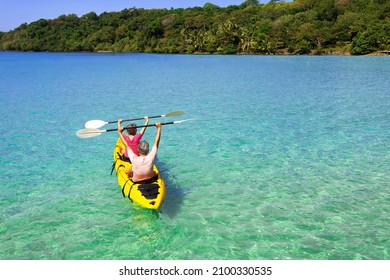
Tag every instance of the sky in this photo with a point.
(15, 12)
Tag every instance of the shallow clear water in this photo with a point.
(288, 158)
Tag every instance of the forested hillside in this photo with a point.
(298, 27)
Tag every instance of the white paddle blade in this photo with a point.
(95, 124)
(184, 120)
(88, 132)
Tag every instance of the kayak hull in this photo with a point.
(148, 194)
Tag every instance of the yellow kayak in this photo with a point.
(149, 193)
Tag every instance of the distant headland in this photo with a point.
(318, 27)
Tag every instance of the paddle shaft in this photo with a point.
(164, 123)
(138, 119)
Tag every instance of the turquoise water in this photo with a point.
(288, 158)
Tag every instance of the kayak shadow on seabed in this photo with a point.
(174, 195)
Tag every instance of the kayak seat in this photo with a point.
(149, 187)
(149, 191)
(122, 157)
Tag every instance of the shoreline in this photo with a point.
(377, 53)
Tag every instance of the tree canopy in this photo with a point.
(278, 27)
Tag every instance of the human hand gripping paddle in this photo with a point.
(92, 132)
(99, 123)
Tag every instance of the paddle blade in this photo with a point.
(184, 120)
(174, 114)
(89, 132)
(95, 124)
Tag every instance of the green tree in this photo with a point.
(376, 37)
(262, 42)
(154, 29)
(247, 3)
(227, 36)
(316, 32)
(92, 16)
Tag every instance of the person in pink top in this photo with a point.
(134, 138)
(142, 165)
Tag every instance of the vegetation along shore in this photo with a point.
(355, 27)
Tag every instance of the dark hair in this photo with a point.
(131, 129)
(143, 148)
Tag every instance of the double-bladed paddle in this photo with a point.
(99, 123)
(92, 132)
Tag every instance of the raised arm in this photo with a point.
(146, 123)
(120, 132)
(158, 135)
